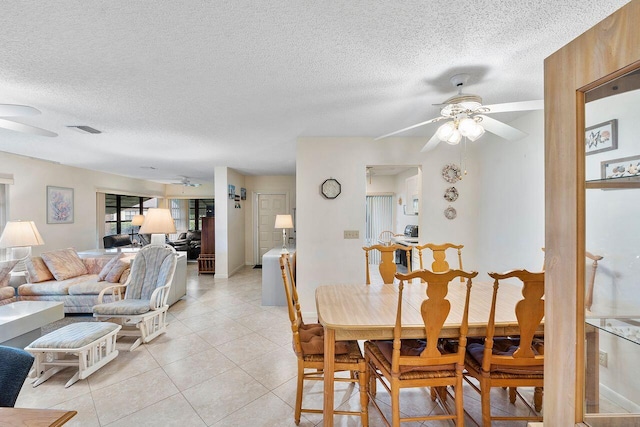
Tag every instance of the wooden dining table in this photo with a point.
(368, 312)
(21, 417)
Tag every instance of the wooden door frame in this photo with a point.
(600, 54)
(256, 238)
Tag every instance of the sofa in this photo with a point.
(7, 292)
(116, 240)
(62, 275)
(189, 242)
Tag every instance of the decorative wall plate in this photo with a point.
(451, 173)
(451, 194)
(450, 213)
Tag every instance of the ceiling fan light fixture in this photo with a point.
(455, 137)
(466, 126)
(476, 132)
(445, 131)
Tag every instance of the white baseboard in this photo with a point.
(619, 400)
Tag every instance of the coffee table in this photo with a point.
(20, 322)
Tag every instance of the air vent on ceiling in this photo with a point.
(85, 129)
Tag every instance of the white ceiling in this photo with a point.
(185, 85)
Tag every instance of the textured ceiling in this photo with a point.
(183, 86)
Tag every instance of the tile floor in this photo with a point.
(226, 361)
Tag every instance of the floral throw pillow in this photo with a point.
(116, 271)
(64, 263)
(37, 270)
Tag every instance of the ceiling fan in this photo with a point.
(11, 110)
(465, 116)
(184, 181)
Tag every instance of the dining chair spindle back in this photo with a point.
(439, 252)
(387, 265)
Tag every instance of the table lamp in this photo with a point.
(20, 236)
(284, 222)
(158, 222)
(137, 220)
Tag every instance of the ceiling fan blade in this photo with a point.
(11, 110)
(501, 129)
(20, 127)
(409, 128)
(537, 104)
(431, 144)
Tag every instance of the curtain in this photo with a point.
(379, 219)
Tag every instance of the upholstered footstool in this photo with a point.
(85, 345)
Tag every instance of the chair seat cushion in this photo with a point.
(351, 354)
(122, 308)
(75, 335)
(382, 351)
(502, 347)
(312, 340)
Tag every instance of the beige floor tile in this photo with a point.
(224, 394)
(173, 411)
(177, 348)
(224, 332)
(128, 364)
(265, 320)
(52, 392)
(266, 411)
(205, 321)
(197, 368)
(247, 348)
(274, 368)
(192, 310)
(131, 395)
(86, 416)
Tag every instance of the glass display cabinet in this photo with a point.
(612, 243)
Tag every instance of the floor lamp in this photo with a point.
(20, 236)
(158, 222)
(284, 222)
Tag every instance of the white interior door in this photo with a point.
(269, 205)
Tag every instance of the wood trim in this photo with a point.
(600, 54)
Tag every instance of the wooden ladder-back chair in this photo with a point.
(308, 345)
(511, 362)
(387, 265)
(440, 263)
(408, 363)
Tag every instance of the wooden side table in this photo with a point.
(34, 417)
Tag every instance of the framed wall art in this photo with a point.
(243, 194)
(59, 205)
(620, 168)
(601, 137)
(232, 191)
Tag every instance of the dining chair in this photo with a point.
(386, 237)
(308, 345)
(143, 309)
(439, 252)
(409, 363)
(14, 369)
(387, 265)
(512, 362)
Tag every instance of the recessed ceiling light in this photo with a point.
(84, 129)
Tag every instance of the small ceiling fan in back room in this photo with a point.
(11, 110)
(464, 116)
(186, 182)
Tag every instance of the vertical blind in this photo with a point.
(379, 219)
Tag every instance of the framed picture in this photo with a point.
(601, 137)
(232, 191)
(243, 194)
(59, 205)
(619, 168)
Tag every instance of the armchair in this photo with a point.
(142, 310)
(189, 242)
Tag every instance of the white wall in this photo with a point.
(28, 195)
(230, 230)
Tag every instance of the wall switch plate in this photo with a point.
(603, 358)
(351, 234)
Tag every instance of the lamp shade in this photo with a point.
(20, 234)
(284, 221)
(137, 220)
(158, 221)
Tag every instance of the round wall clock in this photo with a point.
(451, 194)
(331, 188)
(450, 213)
(451, 173)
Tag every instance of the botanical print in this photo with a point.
(601, 137)
(59, 205)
